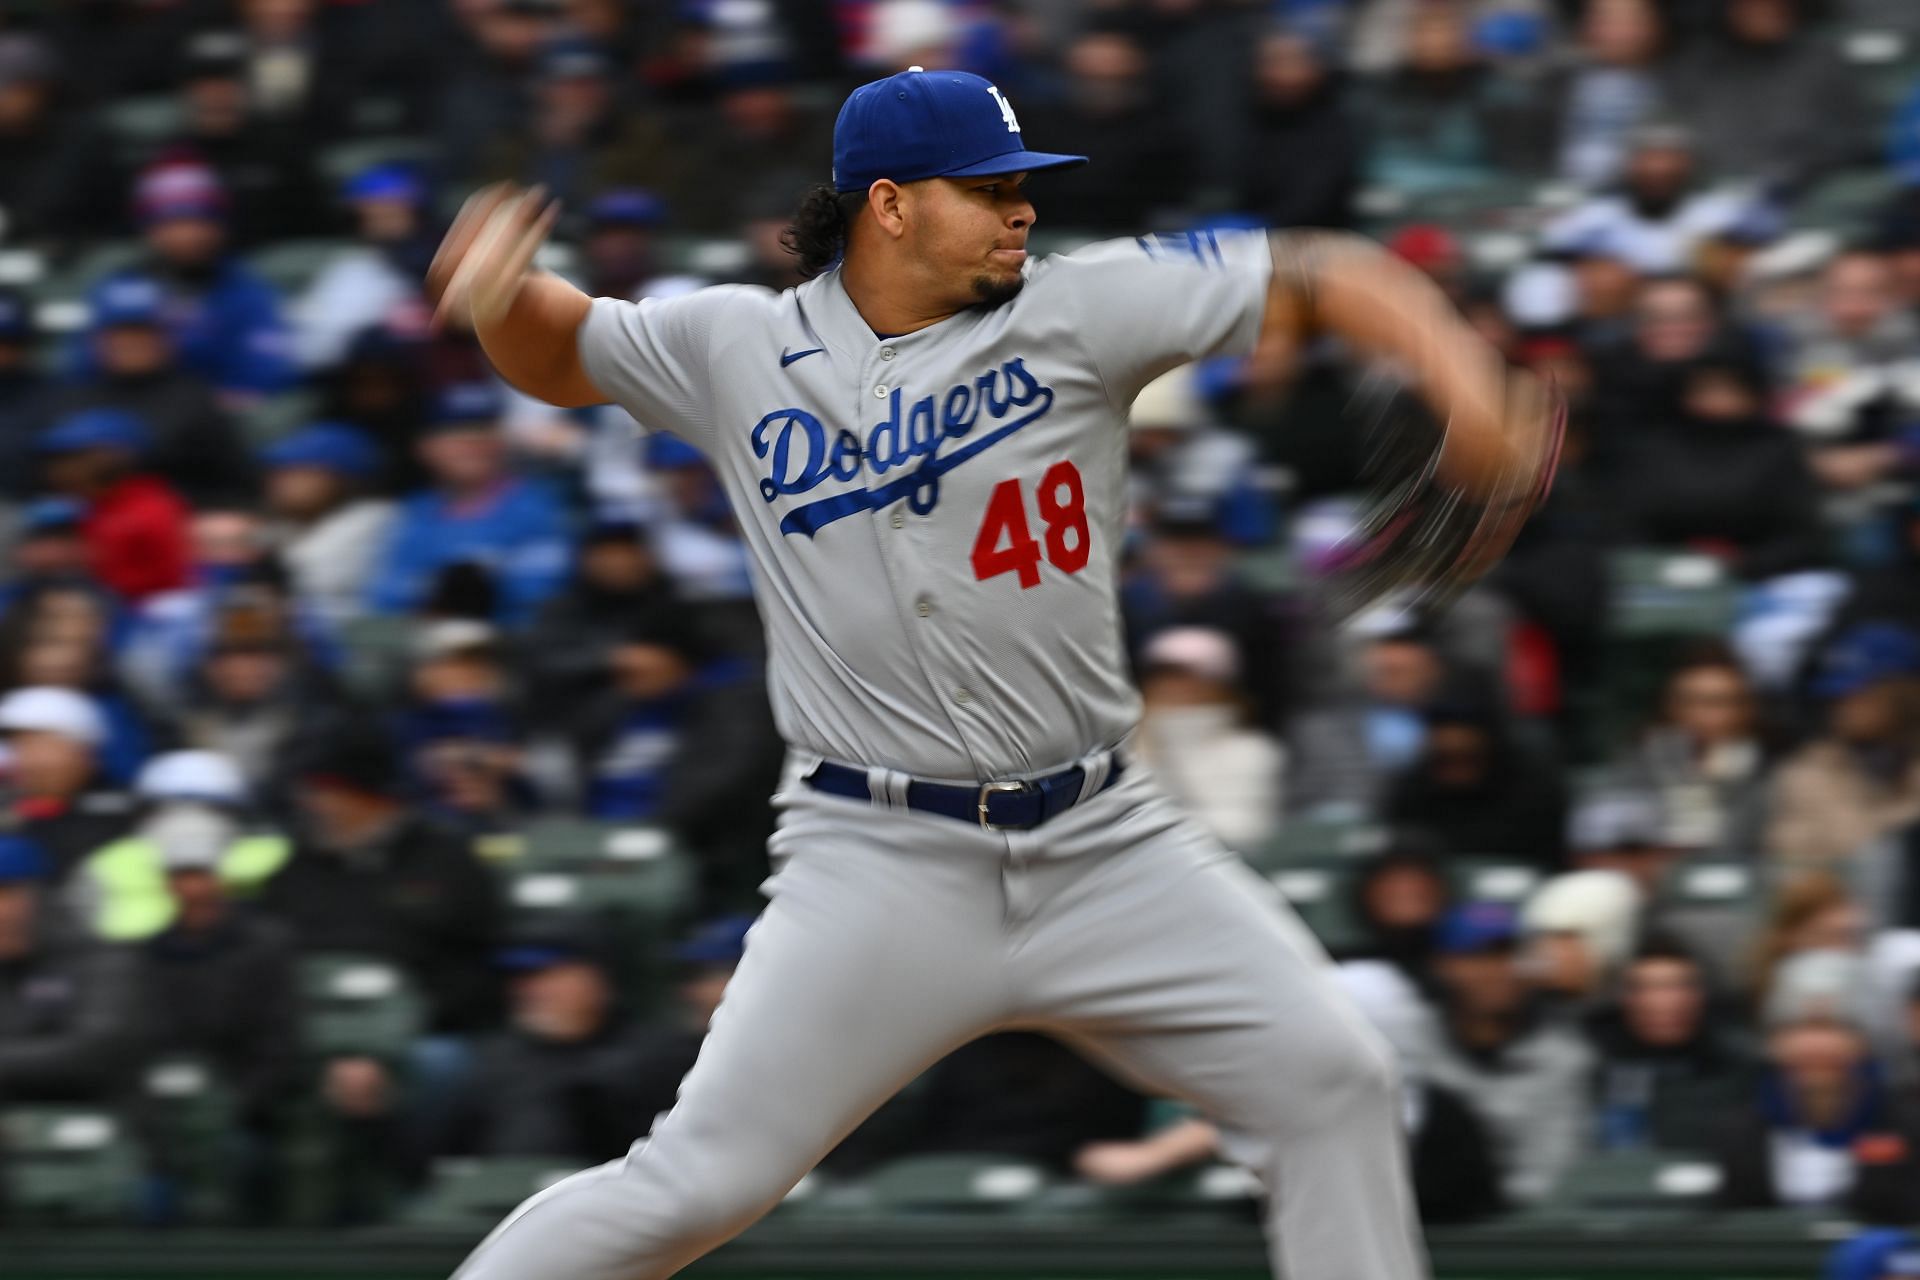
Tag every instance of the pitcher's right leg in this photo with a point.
(879, 953)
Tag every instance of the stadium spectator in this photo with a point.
(1747, 87)
(1860, 778)
(1852, 373)
(617, 582)
(1667, 1057)
(705, 960)
(24, 391)
(194, 446)
(220, 989)
(263, 159)
(223, 318)
(369, 877)
(683, 738)
(1524, 1076)
(1641, 383)
(576, 140)
(1578, 929)
(1623, 832)
(70, 1008)
(1110, 110)
(1194, 734)
(1826, 1129)
(486, 89)
(373, 282)
(135, 525)
(1400, 897)
(382, 386)
(460, 731)
(1304, 152)
(1877, 1254)
(759, 126)
(619, 250)
(187, 799)
(58, 633)
(253, 699)
(1724, 479)
(559, 1079)
(1478, 791)
(1814, 911)
(328, 529)
(693, 526)
(55, 192)
(476, 512)
(1179, 455)
(1705, 757)
(1444, 120)
(1615, 88)
(58, 797)
(49, 550)
(1343, 755)
(1661, 215)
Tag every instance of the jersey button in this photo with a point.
(962, 696)
(880, 392)
(886, 353)
(899, 519)
(924, 609)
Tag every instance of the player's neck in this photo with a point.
(890, 301)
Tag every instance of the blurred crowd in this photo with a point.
(309, 625)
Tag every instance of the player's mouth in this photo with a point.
(1009, 257)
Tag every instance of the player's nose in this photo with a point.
(1022, 215)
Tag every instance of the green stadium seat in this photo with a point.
(574, 843)
(1306, 841)
(189, 1115)
(377, 648)
(1658, 593)
(67, 1164)
(1492, 879)
(1638, 1181)
(477, 1193)
(358, 1005)
(958, 1184)
(291, 265)
(1212, 1191)
(143, 121)
(278, 415)
(1322, 895)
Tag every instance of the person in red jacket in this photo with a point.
(135, 526)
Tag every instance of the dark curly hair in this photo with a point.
(818, 233)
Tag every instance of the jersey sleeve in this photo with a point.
(653, 358)
(1146, 304)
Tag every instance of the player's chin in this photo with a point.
(994, 289)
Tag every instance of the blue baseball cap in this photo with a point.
(930, 124)
(95, 429)
(716, 944)
(51, 515)
(1903, 147)
(21, 859)
(663, 450)
(1476, 926)
(1866, 655)
(332, 445)
(126, 299)
(626, 207)
(385, 182)
(463, 404)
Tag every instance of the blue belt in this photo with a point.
(996, 806)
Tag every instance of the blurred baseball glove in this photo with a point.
(1419, 540)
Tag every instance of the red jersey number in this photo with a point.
(1005, 543)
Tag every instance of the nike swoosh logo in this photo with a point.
(786, 359)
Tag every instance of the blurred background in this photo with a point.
(386, 755)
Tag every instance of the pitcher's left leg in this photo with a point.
(1165, 956)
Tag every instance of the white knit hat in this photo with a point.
(1603, 907)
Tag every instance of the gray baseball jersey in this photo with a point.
(934, 518)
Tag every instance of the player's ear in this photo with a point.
(886, 200)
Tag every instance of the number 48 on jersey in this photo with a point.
(1005, 543)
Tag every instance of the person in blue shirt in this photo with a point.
(476, 512)
(223, 319)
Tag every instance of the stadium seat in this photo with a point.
(377, 650)
(1322, 895)
(344, 159)
(1492, 879)
(189, 1117)
(560, 843)
(358, 1005)
(1303, 841)
(1212, 1191)
(958, 1184)
(1658, 593)
(277, 415)
(137, 123)
(68, 1164)
(291, 265)
(1713, 904)
(476, 1193)
(1638, 1181)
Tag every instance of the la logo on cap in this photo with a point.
(1006, 109)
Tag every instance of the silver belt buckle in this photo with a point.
(988, 789)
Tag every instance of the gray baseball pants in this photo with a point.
(892, 938)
